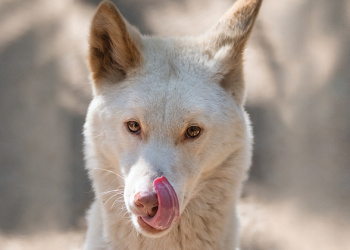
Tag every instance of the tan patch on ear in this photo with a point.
(113, 50)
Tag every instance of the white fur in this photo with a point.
(178, 85)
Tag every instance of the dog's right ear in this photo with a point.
(115, 45)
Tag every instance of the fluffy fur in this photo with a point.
(167, 85)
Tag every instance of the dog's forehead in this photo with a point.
(171, 55)
(174, 87)
(178, 77)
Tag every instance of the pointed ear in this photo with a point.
(225, 43)
(115, 45)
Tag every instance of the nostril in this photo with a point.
(153, 211)
(147, 203)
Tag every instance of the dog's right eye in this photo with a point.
(193, 131)
(133, 126)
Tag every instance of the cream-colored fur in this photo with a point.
(167, 85)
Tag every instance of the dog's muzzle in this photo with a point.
(161, 208)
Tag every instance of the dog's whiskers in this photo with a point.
(123, 208)
(125, 215)
(118, 200)
(116, 194)
(109, 171)
(104, 203)
(119, 190)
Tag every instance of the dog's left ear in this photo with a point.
(226, 41)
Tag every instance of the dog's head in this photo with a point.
(165, 111)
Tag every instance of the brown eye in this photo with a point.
(133, 126)
(193, 131)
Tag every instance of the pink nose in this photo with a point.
(147, 203)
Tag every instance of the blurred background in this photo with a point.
(298, 80)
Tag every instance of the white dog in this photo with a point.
(167, 140)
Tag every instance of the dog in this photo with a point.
(168, 143)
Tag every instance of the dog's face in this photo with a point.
(175, 121)
(165, 111)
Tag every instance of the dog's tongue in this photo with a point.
(168, 205)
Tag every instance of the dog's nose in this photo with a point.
(147, 203)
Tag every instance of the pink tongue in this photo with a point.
(168, 205)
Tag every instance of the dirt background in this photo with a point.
(298, 79)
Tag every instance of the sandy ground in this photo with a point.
(54, 241)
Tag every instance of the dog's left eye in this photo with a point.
(133, 126)
(193, 131)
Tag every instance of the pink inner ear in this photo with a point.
(168, 205)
